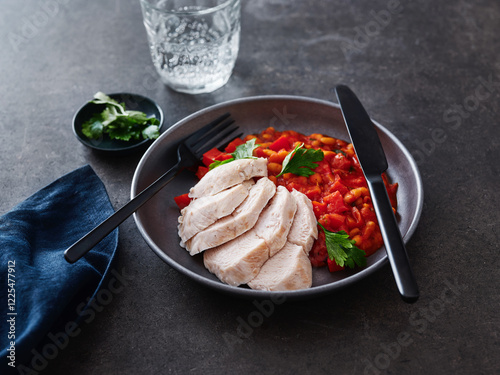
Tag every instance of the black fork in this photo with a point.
(189, 153)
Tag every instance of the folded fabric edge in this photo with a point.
(86, 169)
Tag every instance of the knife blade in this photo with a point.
(373, 162)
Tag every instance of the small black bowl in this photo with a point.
(105, 144)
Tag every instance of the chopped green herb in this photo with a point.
(343, 250)
(218, 163)
(244, 151)
(301, 161)
(119, 123)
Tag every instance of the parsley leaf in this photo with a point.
(243, 151)
(218, 163)
(301, 161)
(119, 123)
(343, 250)
(93, 128)
(151, 132)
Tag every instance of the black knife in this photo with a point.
(372, 159)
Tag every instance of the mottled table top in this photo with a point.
(428, 71)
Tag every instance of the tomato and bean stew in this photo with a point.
(336, 186)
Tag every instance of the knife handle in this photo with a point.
(396, 251)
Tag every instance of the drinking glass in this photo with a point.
(193, 43)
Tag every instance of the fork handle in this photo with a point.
(87, 242)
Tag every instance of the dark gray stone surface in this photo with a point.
(429, 71)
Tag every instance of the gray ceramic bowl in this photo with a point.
(157, 220)
(105, 144)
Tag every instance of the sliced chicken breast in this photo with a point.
(238, 261)
(241, 220)
(304, 229)
(276, 219)
(204, 211)
(228, 175)
(289, 269)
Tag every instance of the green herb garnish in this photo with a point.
(119, 123)
(343, 250)
(244, 151)
(218, 163)
(301, 161)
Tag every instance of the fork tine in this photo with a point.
(214, 132)
(214, 142)
(200, 134)
(225, 140)
(211, 134)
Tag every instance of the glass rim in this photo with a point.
(189, 12)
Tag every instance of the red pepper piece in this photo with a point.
(202, 171)
(333, 266)
(182, 201)
(214, 154)
(231, 147)
(280, 144)
(335, 203)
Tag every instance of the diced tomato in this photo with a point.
(332, 222)
(333, 266)
(335, 203)
(313, 192)
(319, 208)
(323, 167)
(214, 154)
(182, 201)
(354, 181)
(231, 147)
(294, 186)
(202, 171)
(210, 155)
(341, 162)
(338, 186)
(224, 157)
(279, 144)
(318, 253)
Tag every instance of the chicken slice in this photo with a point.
(241, 220)
(276, 219)
(289, 269)
(204, 211)
(304, 229)
(228, 175)
(238, 261)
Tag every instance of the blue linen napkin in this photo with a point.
(33, 238)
